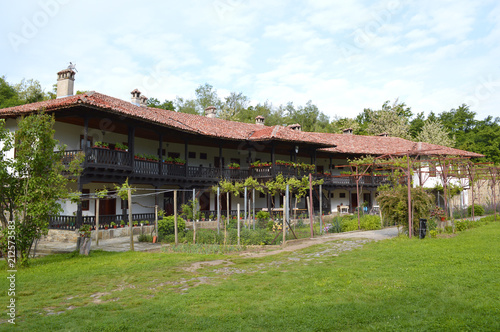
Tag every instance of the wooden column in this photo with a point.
(273, 158)
(220, 159)
(85, 135)
(186, 156)
(131, 140)
(160, 155)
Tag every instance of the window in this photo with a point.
(174, 154)
(85, 203)
(332, 195)
(89, 141)
(341, 195)
(203, 156)
(191, 155)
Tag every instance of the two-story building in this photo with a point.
(157, 149)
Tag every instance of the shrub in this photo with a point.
(349, 224)
(262, 219)
(166, 225)
(145, 238)
(369, 222)
(478, 210)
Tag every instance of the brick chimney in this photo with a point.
(144, 101)
(347, 131)
(210, 112)
(259, 119)
(136, 97)
(65, 83)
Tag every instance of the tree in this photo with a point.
(393, 120)
(30, 91)
(417, 124)
(8, 94)
(186, 106)
(166, 105)
(434, 132)
(234, 104)
(309, 117)
(339, 124)
(206, 96)
(32, 183)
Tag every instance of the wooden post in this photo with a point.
(310, 202)
(253, 206)
(194, 216)
(410, 224)
(97, 222)
(238, 221)
(246, 197)
(156, 223)
(218, 210)
(320, 208)
(285, 215)
(175, 218)
(130, 219)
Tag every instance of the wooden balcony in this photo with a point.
(112, 161)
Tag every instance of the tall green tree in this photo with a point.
(433, 132)
(8, 94)
(391, 119)
(30, 91)
(166, 105)
(33, 182)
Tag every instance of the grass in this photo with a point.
(446, 284)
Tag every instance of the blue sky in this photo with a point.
(343, 55)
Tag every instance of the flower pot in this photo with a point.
(442, 218)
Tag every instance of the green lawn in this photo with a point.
(448, 284)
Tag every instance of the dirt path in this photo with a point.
(293, 245)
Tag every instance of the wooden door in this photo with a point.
(354, 201)
(205, 202)
(107, 207)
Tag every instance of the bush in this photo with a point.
(166, 225)
(478, 210)
(145, 238)
(349, 224)
(369, 222)
(262, 219)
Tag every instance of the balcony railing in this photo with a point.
(120, 160)
(71, 222)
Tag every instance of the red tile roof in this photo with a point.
(382, 145)
(213, 127)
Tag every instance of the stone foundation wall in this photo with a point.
(56, 235)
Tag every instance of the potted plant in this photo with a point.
(438, 213)
(152, 157)
(122, 223)
(179, 161)
(106, 227)
(140, 156)
(85, 231)
(258, 163)
(202, 216)
(169, 160)
(135, 223)
(211, 217)
(113, 224)
(234, 166)
(121, 147)
(101, 145)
